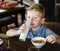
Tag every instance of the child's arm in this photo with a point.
(12, 32)
(52, 39)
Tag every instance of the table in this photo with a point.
(13, 11)
(17, 45)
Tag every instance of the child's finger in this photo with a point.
(49, 39)
(53, 42)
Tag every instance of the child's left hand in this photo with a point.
(51, 39)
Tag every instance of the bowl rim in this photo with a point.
(38, 39)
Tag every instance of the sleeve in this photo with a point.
(49, 32)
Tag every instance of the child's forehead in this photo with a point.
(33, 12)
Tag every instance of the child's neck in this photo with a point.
(35, 29)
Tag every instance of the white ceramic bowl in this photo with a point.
(36, 44)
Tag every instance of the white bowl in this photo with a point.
(38, 44)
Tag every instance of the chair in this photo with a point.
(55, 26)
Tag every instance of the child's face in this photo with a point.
(35, 18)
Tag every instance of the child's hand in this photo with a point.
(51, 39)
(22, 28)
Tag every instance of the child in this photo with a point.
(36, 16)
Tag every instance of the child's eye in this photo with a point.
(28, 17)
(35, 17)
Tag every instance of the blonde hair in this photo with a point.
(37, 7)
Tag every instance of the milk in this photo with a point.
(36, 1)
(23, 35)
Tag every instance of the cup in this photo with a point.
(23, 35)
(36, 1)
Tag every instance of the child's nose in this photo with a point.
(31, 19)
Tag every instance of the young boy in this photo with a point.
(36, 16)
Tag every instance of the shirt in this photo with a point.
(41, 32)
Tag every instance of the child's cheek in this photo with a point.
(36, 22)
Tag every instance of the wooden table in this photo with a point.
(13, 11)
(17, 45)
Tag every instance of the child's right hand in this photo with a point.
(22, 28)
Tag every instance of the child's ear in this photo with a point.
(43, 20)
